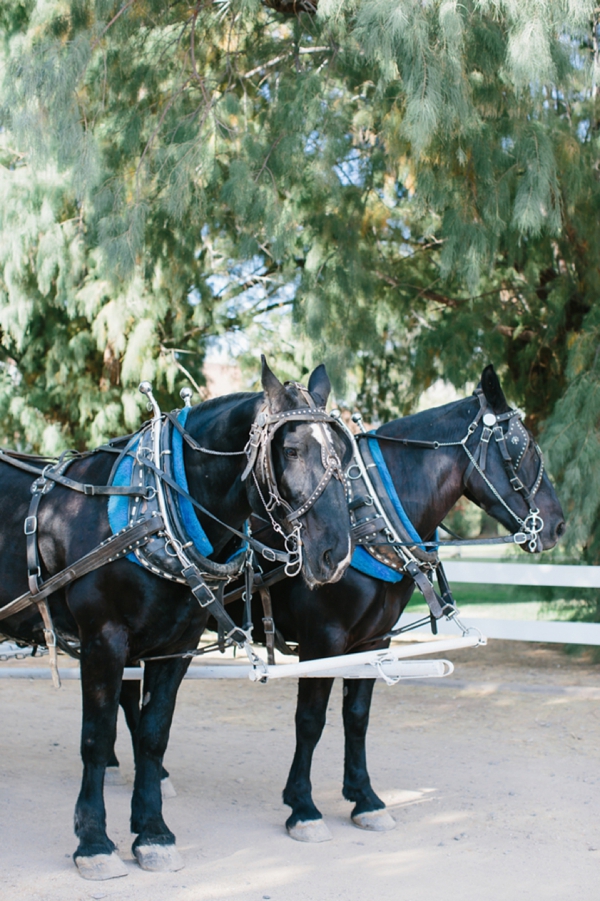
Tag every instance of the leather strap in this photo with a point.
(83, 488)
(114, 547)
(211, 599)
(268, 624)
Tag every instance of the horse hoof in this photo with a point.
(159, 858)
(101, 866)
(375, 820)
(114, 776)
(166, 788)
(310, 831)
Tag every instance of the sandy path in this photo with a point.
(496, 790)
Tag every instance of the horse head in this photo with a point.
(506, 476)
(298, 457)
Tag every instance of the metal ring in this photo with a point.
(349, 470)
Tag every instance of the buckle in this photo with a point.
(516, 483)
(269, 625)
(88, 490)
(34, 573)
(30, 525)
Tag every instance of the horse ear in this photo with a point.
(319, 384)
(274, 390)
(494, 394)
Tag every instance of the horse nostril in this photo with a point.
(327, 559)
(561, 529)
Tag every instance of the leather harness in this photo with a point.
(155, 533)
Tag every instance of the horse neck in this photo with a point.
(215, 481)
(429, 482)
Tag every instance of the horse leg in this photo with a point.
(102, 661)
(130, 704)
(305, 823)
(154, 846)
(369, 811)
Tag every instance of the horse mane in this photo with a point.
(426, 419)
(226, 400)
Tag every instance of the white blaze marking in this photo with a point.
(317, 432)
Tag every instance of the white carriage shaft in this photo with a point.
(385, 664)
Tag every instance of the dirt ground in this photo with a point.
(492, 775)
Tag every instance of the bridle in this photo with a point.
(517, 439)
(259, 453)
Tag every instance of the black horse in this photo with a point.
(123, 613)
(355, 613)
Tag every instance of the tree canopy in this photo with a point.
(405, 190)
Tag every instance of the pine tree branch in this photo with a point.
(266, 160)
(111, 23)
(279, 59)
(152, 137)
(199, 390)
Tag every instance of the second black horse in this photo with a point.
(358, 611)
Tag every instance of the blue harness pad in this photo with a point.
(118, 507)
(188, 515)
(361, 559)
(364, 563)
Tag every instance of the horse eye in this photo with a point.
(290, 453)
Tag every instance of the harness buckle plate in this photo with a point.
(516, 483)
(198, 586)
(30, 525)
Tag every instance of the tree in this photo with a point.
(417, 183)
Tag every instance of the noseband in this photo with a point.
(259, 451)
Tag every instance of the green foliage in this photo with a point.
(407, 191)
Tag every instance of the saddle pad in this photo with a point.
(118, 507)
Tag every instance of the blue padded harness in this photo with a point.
(361, 559)
(118, 507)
